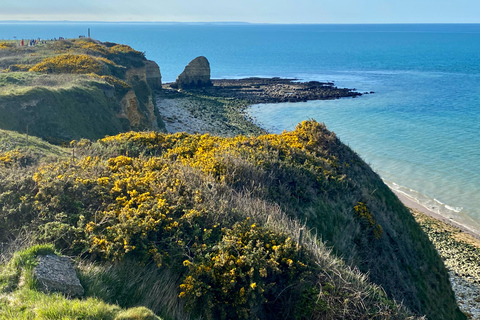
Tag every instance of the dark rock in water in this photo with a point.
(273, 90)
(195, 75)
(56, 274)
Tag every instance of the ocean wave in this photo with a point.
(456, 209)
(453, 213)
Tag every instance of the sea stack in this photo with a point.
(195, 75)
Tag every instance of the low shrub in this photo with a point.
(18, 67)
(68, 63)
(6, 45)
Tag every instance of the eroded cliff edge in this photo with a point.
(78, 88)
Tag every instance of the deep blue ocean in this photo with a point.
(420, 130)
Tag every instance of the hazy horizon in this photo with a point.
(247, 11)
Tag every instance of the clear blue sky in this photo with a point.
(255, 11)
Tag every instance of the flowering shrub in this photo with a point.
(211, 153)
(15, 157)
(68, 63)
(363, 213)
(6, 45)
(18, 67)
(146, 207)
(244, 270)
(90, 46)
(123, 49)
(182, 201)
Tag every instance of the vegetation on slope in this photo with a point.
(71, 89)
(221, 219)
(26, 302)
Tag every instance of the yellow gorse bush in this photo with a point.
(18, 67)
(146, 207)
(140, 202)
(211, 153)
(241, 272)
(68, 63)
(91, 46)
(123, 49)
(9, 157)
(363, 213)
(6, 45)
(15, 157)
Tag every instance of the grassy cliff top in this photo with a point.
(64, 63)
(75, 88)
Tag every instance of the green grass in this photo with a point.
(19, 298)
(130, 284)
(12, 140)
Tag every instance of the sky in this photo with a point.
(253, 11)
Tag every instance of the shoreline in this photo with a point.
(409, 203)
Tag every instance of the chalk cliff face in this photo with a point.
(138, 106)
(153, 75)
(195, 75)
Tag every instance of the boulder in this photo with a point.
(195, 75)
(154, 77)
(56, 274)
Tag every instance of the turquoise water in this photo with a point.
(420, 130)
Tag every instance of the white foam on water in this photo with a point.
(453, 213)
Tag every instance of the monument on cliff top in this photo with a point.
(195, 75)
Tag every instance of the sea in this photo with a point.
(419, 130)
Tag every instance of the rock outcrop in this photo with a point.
(154, 77)
(195, 75)
(56, 274)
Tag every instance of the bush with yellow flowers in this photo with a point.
(249, 272)
(16, 157)
(363, 213)
(6, 45)
(91, 47)
(18, 67)
(68, 63)
(147, 208)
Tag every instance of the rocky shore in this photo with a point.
(460, 252)
(274, 90)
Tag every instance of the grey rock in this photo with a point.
(195, 75)
(56, 274)
(154, 77)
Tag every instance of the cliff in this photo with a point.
(79, 88)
